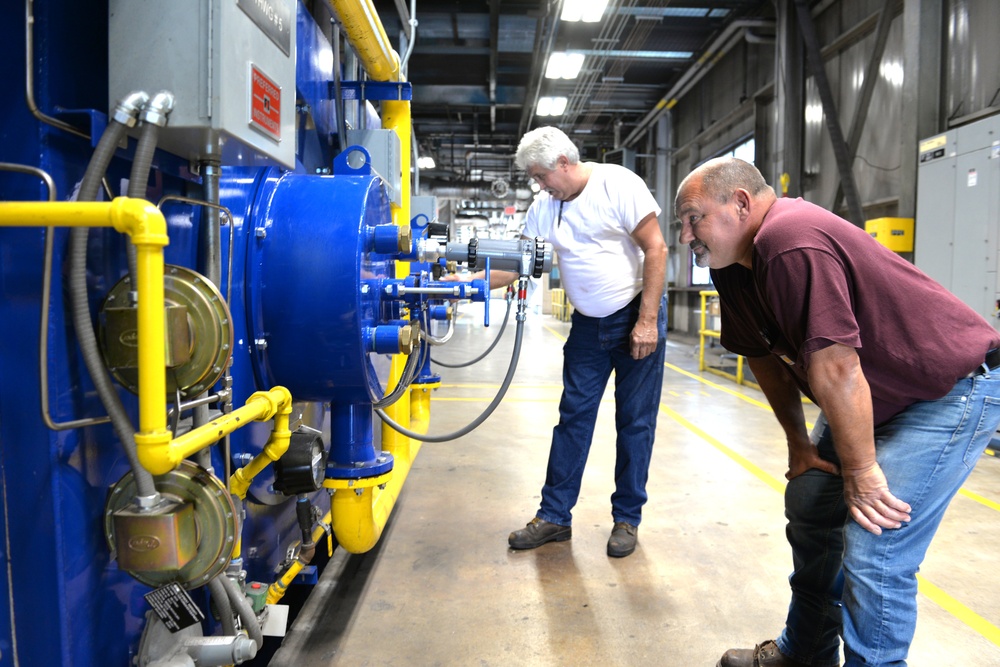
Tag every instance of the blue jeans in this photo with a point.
(848, 581)
(595, 347)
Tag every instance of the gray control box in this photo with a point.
(958, 213)
(230, 64)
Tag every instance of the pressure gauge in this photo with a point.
(303, 467)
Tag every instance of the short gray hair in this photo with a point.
(543, 147)
(720, 177)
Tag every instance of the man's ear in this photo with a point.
(743, 201)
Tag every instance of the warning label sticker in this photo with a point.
(265, 104)
(174, 607)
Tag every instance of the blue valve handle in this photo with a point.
(486, 300)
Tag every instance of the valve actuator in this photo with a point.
(526, 257)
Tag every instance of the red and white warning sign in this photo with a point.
(265, 104)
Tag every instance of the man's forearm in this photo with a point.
(497, 278)
(839, 385)
(654, 272)
(782, 394)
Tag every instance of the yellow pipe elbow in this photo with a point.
(159, 457)
(360, 515)
(277, 445)
(147, 229)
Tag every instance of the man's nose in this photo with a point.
(686, 235)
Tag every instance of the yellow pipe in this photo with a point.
(360, 515)
(147, 228)
(277, 590)
(261, 406)
(365, 33)
(277, 445)
(420, 407)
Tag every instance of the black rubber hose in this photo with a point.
(80, 306)
(478, 420)
(482, 356)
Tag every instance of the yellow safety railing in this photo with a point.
(561, 308)
(704, 333)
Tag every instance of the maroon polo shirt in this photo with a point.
(819, 280)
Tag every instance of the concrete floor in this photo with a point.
(710, 573)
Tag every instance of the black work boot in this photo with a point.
(537, 533)
(762, 655)
(623, 539)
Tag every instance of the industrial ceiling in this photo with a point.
(477, 69)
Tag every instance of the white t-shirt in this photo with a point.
(599, 262)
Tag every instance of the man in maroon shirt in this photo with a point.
(904, 374)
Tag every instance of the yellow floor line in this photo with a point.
(714, 385)
(959, 610)
(932, 592)
(754, 469)
(962, 492)
(555, 333)
(980, 499)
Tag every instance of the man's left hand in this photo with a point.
(870, 502)
(644, 340)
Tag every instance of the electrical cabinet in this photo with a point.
(229, 64)
(958, 213)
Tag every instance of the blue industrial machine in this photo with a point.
(206, 297)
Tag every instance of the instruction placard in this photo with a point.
(174, 607)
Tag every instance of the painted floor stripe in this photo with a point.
(932, 592)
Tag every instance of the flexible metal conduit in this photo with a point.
(124, 115)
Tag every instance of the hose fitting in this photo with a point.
(158, 108)
(128, 108)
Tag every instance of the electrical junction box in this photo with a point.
(896, 234)
(230, 65)
(383, 147)
(958, 213)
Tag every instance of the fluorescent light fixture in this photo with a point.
(588, 11)
(551, 106)
(563, 65)
(426, 162)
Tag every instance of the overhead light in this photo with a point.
(426, 162)
(551, 106)
(564, 65)
(588, 11)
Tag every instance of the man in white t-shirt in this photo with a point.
(602, 222)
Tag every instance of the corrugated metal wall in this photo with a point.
(971, 59)
(971, 86)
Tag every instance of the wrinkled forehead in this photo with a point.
(537, 171)
(687, 193)
(688, 201)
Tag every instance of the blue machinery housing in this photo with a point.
(206, 294)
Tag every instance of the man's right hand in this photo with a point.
(805, 456)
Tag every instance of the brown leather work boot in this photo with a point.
(537, 533)
(762, 655)
(623, 539)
